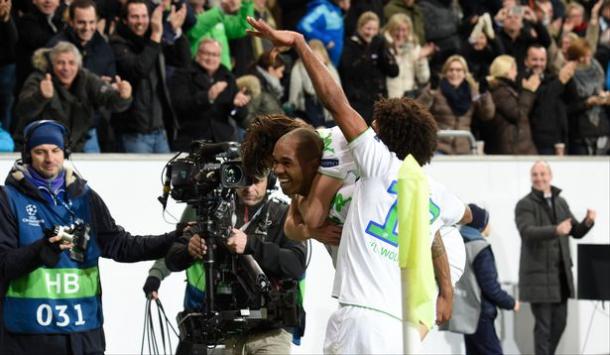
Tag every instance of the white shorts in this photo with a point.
(456, 252)
(357, 330)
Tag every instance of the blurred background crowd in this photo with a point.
(149, 76)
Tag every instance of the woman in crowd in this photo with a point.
(412, 59)
(365, 64)
(456, 102)
(302, 94)
(586, 102)
(509, 132)
(269, 69)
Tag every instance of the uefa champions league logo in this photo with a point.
(31, 210)
(32, 219)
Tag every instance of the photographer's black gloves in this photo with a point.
(151, 285)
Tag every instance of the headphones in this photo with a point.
(271, 181)
(29, 130)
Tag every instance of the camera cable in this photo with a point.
(148, 333)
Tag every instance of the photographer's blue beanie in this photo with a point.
(44, 132)
(480, 217)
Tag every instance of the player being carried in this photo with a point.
(367, 278)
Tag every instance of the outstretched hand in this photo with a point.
(277, 37)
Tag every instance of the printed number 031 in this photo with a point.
(44, 315)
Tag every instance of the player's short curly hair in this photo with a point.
(260, 138)
(406, 127)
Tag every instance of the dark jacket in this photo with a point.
(545, 257)
(585, 121)
(35, 31)
(8, 39)
(278, 256)
(98, 57)
(142, 62)
(480, 61)
(518, 48)
(200, 118)
(509, 132)
(16, 261)
(441, 25)
(364, 68)
(548, 117)
(74, 108)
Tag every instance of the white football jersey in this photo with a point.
(367, 272)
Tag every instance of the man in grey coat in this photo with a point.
(545, 223)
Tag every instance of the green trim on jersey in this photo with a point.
(195, 276)
(57, 284)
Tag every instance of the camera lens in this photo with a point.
(233, 175)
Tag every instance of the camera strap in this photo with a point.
(247, 224)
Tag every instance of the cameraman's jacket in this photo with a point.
(279, 257)
(43, 292)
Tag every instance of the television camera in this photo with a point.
(238, 294)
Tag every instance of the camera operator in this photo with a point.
(53, 230)
(260, 234)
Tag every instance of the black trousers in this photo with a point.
(485, 340)
(550, 323)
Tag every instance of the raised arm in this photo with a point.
(328, 90)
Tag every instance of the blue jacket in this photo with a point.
(484, 266)
(324, 21)
(18, 259)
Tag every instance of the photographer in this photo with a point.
(258, 233)
(50, 292)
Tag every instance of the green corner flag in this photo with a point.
(414, 252)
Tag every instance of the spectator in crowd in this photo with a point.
(409, 8)
(365, 64)
(357, 8)
(478, 293)
(548, 117)
(40, 271)
(261, 102)
(545, 222)
(206, 98)
(441, 24)
(62, 89)
(509, 132)
(302, 93)
(222, 23)
(587, 101)
(8, 39)
(574, 23)
(247, 49)
(35, 29)
(482, 47)
(456, 104)
(558, 52)
(324, 22)
(575, 19)
(141, 59)
(258, 232)
(602, 53)
(269, 69)
(82, 32)
(97, 55)
(412, 59)
(516, 36)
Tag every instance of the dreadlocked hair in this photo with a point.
(406, 127)
(260, 138)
